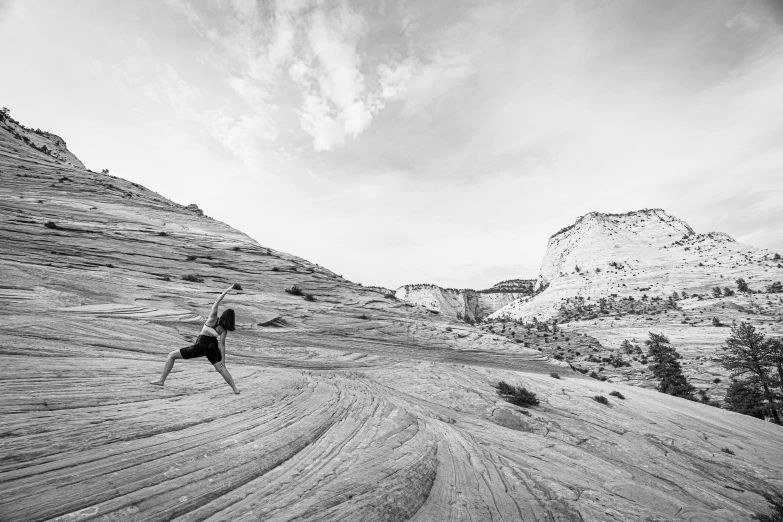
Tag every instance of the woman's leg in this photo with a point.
(221, 369)
(173, 356)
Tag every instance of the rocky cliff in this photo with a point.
(611, 276)
(354, 406)
(465, 304)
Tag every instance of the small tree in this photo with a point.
(667, 368)
(749, 355)
(727, 292)
(716, 292)
(104, 171)
(742, 286)
(746, 398)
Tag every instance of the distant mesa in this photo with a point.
(466, 304)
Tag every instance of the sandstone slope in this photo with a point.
(354, 407)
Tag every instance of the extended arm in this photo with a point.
(214, 311)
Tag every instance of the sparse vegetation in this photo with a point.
(617, 394)
(554, 375)
(294, 290)
(191, 258)
(601, 399)
(162, 233)
(727, 450)
(193, 278)
(309, 297)
(776, 503)
(50, 224)
(742, 286)
(517, 395)
(237, 286)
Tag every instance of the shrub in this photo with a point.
(776, 503)
(365, 317)
(162, 234)
(517, 395)
(165, 278)
(236, 249)
(309, 297)
(727, 450)
(237, 286)
(294, 290)
(617, 394)
(275, 269)
(601, 399)
(104, 171)
(193, 278)
(555, 375)
(742, 286)
(50, 224)
(716, 322)
(191, 258)
(593, 374)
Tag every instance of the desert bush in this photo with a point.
(191, 258)
(162, 233)
(294, 290)
(235, 249)
(50, 224)
(742, 286)
(365, 317)
(601, 399)
(104, 171)
(617, 394)
(716, 322)
(165, 278)
(517, 395)
(727, 292)
(727, 450)
(275, 269)
(309, 297)
(237, 286)
(555, 375)
(193, 278)
(775, 288)
(776, 504)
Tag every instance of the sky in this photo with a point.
(410, 142)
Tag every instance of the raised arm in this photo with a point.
(214, 311)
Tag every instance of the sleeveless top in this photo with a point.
(210, 330)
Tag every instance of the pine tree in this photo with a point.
(750, 355)
(746, 398)
(667, 368)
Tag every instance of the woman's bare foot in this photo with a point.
(236, 392)
(157, 383)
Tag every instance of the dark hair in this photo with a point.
(227, 320)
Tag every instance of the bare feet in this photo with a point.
(236, 392)
(157, 383)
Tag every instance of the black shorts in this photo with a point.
(206, 346)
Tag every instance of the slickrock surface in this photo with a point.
(465, 304)
(354, 407)
(634, 262)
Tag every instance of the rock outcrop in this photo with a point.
(41, 142)
(354, 407)
(465, 304)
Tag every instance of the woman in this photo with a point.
(211, 343)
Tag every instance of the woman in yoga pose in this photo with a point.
(211, 343)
